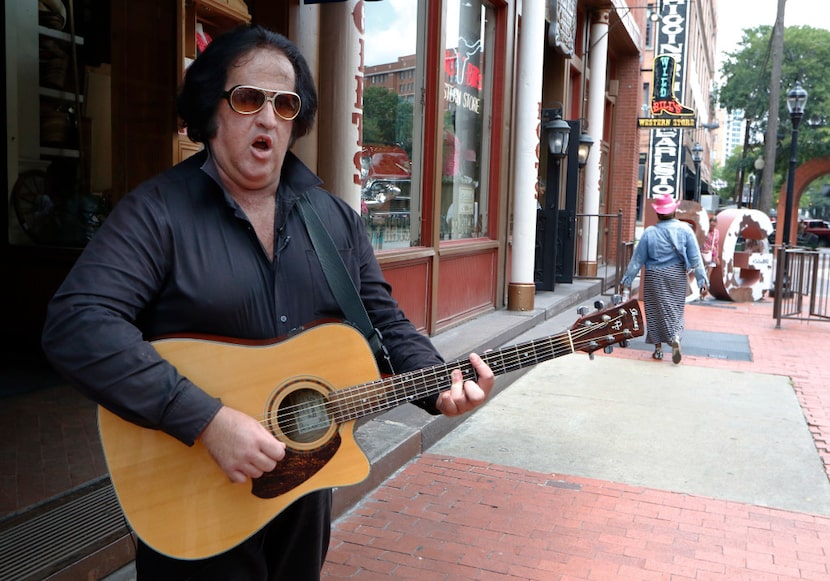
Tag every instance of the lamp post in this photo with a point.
(559, 134)
(759, 171)
(697, 157)
(557, 137)
(796, 101)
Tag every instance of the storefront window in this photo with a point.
(390, 161)
(466, 80)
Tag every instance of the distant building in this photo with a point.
(733, 129)
(697, 29)
(398, 76)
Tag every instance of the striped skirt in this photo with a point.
(664, 299)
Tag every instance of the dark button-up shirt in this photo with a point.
(179, 256)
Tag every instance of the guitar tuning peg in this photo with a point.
(599, 305)
(591, 355)
(608, 349)
(616, 299)
(624, 343)
(582, 311)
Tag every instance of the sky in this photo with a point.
(392, 25)
(393, 22)
(736, 15)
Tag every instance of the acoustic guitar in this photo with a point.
(307, 390)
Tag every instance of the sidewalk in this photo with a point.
(447, 499)
(623, 468)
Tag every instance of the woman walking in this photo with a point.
(668, 250)
(711, 247)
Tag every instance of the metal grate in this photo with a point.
(46, 539)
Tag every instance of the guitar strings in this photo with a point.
(364, 399)
(384, 397)
(379, 393)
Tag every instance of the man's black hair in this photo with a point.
(205, 80)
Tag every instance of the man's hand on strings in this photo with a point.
(464, 396)
(240, 445)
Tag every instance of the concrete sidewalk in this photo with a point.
(622, 468)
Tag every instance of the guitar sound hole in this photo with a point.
(303, 416)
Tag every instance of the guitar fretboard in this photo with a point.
(369, 398)
(606, 328)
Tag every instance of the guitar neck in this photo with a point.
(377, 396)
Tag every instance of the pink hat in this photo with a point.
(664, 204)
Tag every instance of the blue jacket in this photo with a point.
(666, 243)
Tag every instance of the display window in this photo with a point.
(467, 80)
(390, 163)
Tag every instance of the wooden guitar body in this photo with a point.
(176, 497)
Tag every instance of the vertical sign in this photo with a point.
(666, 143)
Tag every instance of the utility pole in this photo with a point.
(771, 138)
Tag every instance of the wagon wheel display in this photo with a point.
(34, 207)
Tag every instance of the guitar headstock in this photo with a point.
(608, 326)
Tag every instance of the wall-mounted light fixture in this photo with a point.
(585, 143)
(656, 10)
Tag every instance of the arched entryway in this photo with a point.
(804, 175)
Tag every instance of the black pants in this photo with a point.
(292, 546)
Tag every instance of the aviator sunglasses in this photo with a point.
(248, 100)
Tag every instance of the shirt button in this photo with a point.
(283, 319)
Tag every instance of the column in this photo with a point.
(304, 31)
(521, 288)
(340, 114)
(598, 63)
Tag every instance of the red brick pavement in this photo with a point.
(452, 518)
(49, 445)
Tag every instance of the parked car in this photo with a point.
(809, 230)
(386, 178)
(811, 233)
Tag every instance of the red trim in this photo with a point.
(498, 89)
(433, 65)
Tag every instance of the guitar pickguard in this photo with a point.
(294, 469)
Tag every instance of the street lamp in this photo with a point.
(697, 157)
(759, 170)
(796, 101)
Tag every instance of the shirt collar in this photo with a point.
(296, 176)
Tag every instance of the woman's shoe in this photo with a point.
(657, 355)
(676, 355)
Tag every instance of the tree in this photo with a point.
(747, 71)
(380, 108)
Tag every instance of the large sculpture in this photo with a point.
(744, 271)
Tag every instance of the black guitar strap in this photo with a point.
(341, 284)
